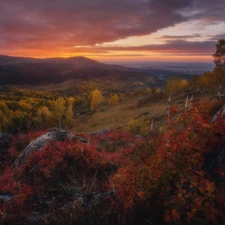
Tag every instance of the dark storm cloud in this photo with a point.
(209, 10)
(61, 24)
(181, 46)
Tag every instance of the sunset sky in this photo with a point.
(112, 30)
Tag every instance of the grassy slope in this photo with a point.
(118, 116)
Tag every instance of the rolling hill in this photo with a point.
(62, 74)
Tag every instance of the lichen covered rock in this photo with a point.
(40, 142)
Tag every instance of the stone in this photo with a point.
(40, 142)
(221, 112)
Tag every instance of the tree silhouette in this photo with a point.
(219, 56)
(219, 60)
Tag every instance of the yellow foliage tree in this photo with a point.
(3, 120)
(133, 126)
(25, 106)
(5, 116)
(69, 116)
(70, 100)
(78, 100)
(21, 120)
(96, 99)
(58, 111)
(113, 100)
(158, 90)
(44, 116)
(61, 113)
(148, 91)
(183, 84)
(173, 84)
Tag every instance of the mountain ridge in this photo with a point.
(74, 71)
(57, 71)
(5, 59)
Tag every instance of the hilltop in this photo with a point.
(63, 74)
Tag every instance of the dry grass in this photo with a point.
(118, 116)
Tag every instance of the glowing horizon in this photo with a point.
(134, 30)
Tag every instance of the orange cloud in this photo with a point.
(52, 28)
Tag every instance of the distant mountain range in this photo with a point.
(20, 71)
(75, 62)
(75, 70)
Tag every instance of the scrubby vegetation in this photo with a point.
(22, 110)
(164, 164)
(165, 178)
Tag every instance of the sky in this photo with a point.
(112, 30)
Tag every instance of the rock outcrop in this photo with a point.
(40, 142)
(221, 112)
(57, 197)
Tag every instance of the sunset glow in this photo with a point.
(129, 30)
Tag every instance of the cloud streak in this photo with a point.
(170, 47)
(174, 37)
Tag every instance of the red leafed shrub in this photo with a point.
(59, 168)
(174, 175)
(171, 179)
(20, 141)
(17, 144)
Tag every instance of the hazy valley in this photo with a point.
(48, 74)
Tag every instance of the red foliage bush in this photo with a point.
(20, 141)
(165, 180)
(174, 174)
